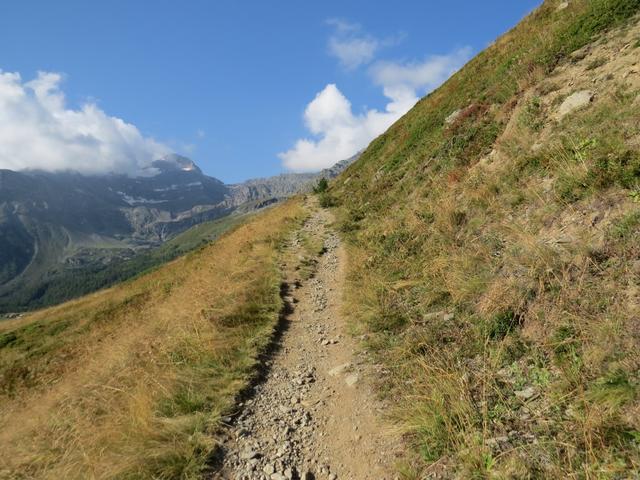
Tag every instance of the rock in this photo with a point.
(432, 316)
(339, 370)
(525, 393)
(497, 440)
(351, 379)
(562, 6)
(284, 409)
(575, 102)
(449, 316)
(288, 472)
(629, 72)
(333, 476)
(452, 117)
(595, 218)
(269, 469)
(248, 454)
(325, 342)
(277, 476)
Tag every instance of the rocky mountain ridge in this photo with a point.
(53, 222)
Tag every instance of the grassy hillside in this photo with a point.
(130, 382)
(495, 263)
(61, 284)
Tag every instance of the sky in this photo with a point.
(244, 88)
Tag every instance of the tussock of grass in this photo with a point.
(494, 262)
(131, 382)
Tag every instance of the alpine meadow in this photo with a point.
(458, 299)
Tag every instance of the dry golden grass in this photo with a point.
(130, 382)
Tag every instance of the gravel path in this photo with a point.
(313, 416)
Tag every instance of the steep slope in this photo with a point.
(494, 262)
(131, 382)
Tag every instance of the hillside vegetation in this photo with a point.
(131, 382)
(494, 254)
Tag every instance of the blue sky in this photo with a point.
(228, 82)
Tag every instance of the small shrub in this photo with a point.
(613, 390)
(565, 341)
(427, 217)
(327, 200)
(458, 218)
(502, 324)
(321, 186)
(627, 227)
(621, 169)
(532, 116)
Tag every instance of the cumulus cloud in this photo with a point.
(401, 82)
(339, 133)
(38, 131)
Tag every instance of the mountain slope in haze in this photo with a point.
(494, 254)
(55, 227)
(284, 185)
(52, 223)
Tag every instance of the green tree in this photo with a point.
(321, 186)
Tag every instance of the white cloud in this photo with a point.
(353, 47)
(338, 133)
(353, 52)
(350, 45)
(419, 75)
(38, 131)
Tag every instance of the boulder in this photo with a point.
(452, 117)
(575, 102)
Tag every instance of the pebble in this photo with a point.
(278, 408)
(277, 434)
(248, 454)
(339, 370)
(351, 379)
(525, 393)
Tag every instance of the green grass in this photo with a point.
(529, 249)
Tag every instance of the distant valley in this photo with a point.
(58, 228)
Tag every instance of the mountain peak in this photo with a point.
(174, 162)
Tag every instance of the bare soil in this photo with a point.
(314, 414)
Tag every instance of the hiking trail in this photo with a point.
(313, 414)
